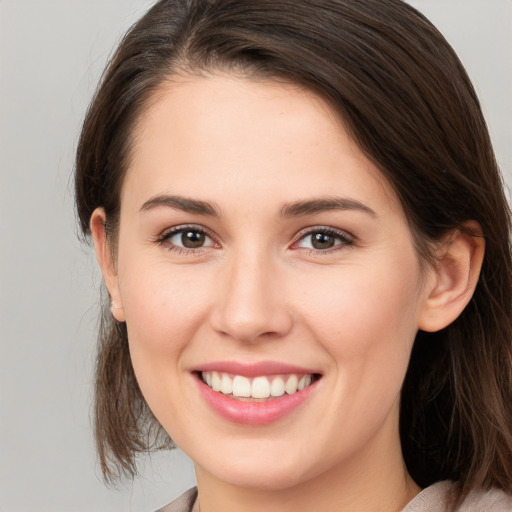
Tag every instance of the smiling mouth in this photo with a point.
(259, 388)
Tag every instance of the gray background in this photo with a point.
(51, 55)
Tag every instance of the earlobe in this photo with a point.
(453, 278)
(106, 262)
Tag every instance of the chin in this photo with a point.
(260, 472)
(262, 480)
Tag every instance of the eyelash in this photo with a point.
(342, 237)
(164, 238)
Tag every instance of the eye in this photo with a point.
(323, 239)
(190, 239)
(186, 238)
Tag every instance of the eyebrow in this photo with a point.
(295, 209)
(314, 206)
(184, 204)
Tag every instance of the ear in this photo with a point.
(105, 258)
(454, 277)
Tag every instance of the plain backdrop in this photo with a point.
(51, 55)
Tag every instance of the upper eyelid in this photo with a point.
(326, 229)
(183, 227)
(346, 239)
(168, 232)
(165, 236)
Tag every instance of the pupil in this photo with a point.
(322, 241)
(192, 239)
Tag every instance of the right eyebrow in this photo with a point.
(323, 204)
(185, 204)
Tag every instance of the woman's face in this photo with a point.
(260, 250)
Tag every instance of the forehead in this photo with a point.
(209, 135)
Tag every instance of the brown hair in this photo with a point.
(408, 103)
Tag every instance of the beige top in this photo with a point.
(431, 499)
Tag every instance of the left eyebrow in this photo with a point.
(314, 206)
(185, 204)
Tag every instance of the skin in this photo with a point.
(257, 290)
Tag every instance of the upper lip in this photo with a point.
(253, 369)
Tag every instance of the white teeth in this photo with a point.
(291, 384)
(241, 386)
(304, 382)
(258, 387)
(216, 381)
(277, 387)
(226, 385)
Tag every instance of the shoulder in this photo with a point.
(184, 503)
(494, 500)
(435, 499)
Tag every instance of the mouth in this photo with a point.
(254, 395)
(257, 388)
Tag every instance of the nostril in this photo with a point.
(251, 324)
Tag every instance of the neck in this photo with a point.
(375, 480)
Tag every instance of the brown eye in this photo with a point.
(186, 239)
(322, 241)
(192, 239)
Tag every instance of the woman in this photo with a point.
(305, 242)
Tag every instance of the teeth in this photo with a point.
(216, 381)
(226, 385)
(241, 386)
(277, 387)
(291, 384)
(258, 387)
(304, 382)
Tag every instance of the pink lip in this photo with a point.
(254, 413)
(253, 369)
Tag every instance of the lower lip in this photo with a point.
(254, 413)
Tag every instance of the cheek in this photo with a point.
(367, 327)
(360, 302)
(161, 305)
(366, 319)
(164, 311)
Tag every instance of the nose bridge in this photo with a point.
(252, 303)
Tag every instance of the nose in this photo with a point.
(252, 303)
